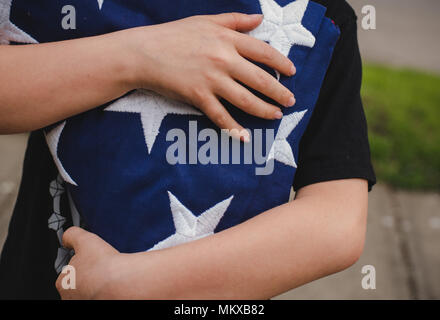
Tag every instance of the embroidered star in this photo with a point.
(188, 226)
(282, 26)
(153, 108)
(53, 138)
(100, 3)
(281, 149)
(9, 32)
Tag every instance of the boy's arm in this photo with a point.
(41, 84)
(319, 233)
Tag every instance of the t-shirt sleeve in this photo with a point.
(335, 145)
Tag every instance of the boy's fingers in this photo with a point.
(73, 237)
(217, 113)
(245, 100)
(262, 52)
(258, 79)
(237, 21)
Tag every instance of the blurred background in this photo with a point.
(402, 103)
(401, 93)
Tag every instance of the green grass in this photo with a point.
(403, 113)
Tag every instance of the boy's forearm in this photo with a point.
(320, 233)
(44, 83)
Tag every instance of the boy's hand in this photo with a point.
(325, 217)
(94, 262)
(203, 58)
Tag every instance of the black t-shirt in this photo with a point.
(335, 146)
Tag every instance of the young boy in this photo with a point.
(319, 233)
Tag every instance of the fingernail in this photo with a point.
(291, 101)
(278, 115)
(292, 70)
(245, 137)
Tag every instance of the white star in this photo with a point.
(152, 108)
(282, 27)
(100, 3)
(9, 32)
(188, 226)
(281, 149)
(52, 138)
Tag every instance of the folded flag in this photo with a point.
(114, 161)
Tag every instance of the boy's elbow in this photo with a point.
(343, 205)
(351, 241)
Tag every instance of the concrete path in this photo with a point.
(403, 244)
(407, 33)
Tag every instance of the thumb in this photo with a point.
(74, 236)
(237, 21)
(79, 240)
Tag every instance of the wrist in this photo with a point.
(137, 57)
(126, 62)
(137, 276)
(113, 273)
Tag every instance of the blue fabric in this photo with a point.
(122, 189)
